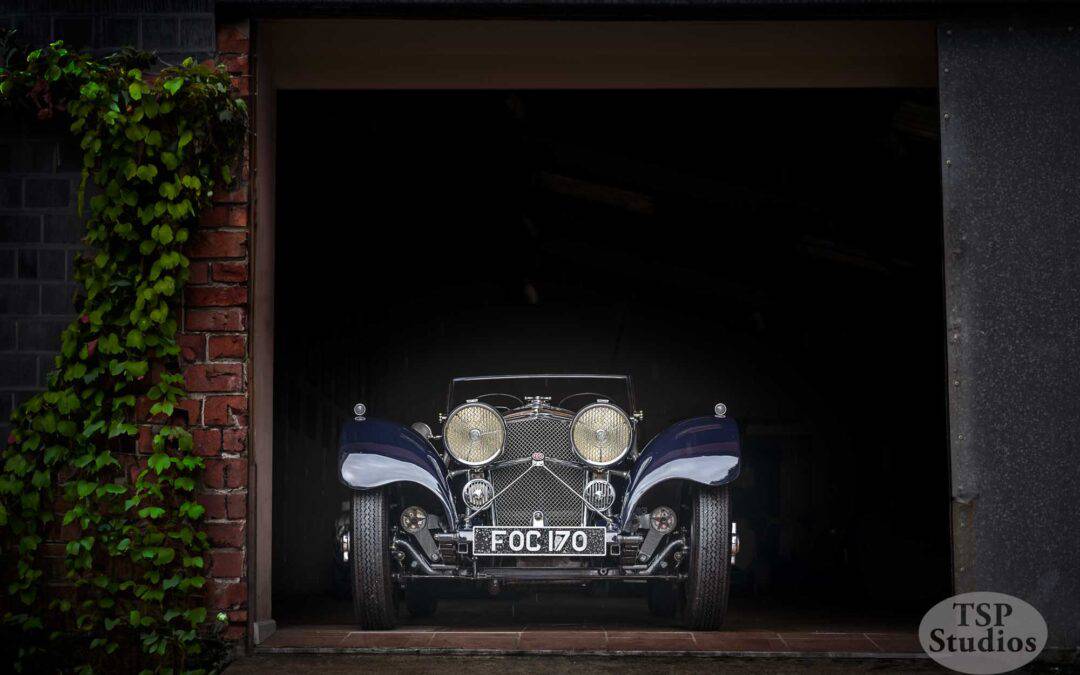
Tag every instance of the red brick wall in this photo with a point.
(217, 366)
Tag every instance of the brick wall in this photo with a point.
(39, 235)
(216, 353)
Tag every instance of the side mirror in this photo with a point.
(423, 429)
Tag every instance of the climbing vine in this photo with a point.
(130, 593)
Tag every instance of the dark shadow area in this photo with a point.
(779, 251)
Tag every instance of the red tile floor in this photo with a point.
(580, 623)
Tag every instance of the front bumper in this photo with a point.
(663, 564)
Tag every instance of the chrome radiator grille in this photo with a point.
(538, 491)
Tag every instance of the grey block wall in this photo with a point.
(39, 173)
(39, 238)
(172, 29)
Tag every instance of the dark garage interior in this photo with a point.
(779, 251)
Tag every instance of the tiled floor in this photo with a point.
(588, 639)
(660, 663)
(560, 624)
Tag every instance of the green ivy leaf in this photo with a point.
(151, 512)
(150, 108)
(135, 340)
(135, 132)
(126, 329)
(196, 615)
(92, 428)
(16, 464)
(159, 462)
(136, 368)
(173, 85)
(192, 510)
(147, 172)
(53, 453)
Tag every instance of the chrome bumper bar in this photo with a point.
(419, 566)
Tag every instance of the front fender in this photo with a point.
(703, 450)
(376, 452)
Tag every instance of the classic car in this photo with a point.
(538, 479)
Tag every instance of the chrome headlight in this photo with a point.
(474, 433)
(601, 434)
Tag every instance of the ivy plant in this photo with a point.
(131, 589)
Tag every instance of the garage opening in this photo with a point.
(776, 250)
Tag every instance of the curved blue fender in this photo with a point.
(376, 452)
(703, 450)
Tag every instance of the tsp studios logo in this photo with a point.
(983, 633)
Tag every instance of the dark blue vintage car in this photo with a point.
(539, 479)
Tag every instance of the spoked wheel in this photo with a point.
(372, 584)
(705, 593)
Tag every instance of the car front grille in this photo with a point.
(539, 490)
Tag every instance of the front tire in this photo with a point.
(372, 584)
(705, 593)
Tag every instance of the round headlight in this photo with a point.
(474, 433)
(601, 434)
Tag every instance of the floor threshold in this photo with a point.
(448, 651)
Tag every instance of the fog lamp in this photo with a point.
(599, 495)
(478, 493)
(412, 519)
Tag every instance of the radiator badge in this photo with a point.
(983, 633)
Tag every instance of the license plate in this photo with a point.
(519, 541)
